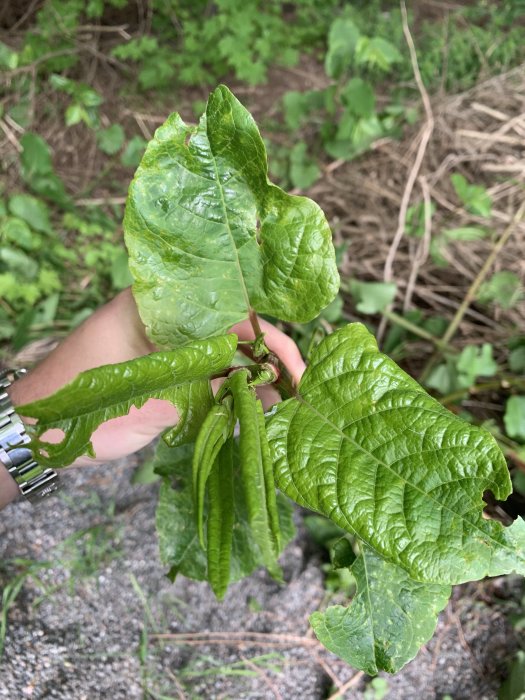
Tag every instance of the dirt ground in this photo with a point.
(96, 638)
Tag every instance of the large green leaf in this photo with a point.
(366, 446)
(389, 619)
(177, 529)
(209, 237)
(99, 394)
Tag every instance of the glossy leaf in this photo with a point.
(209, 237)
(177, 530)
(220, 520)
(388, 620)
(365, 445)
(100, 394)
(216, 429)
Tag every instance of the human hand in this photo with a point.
(115, 333)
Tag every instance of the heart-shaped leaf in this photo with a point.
(210, 238)
(366, 446)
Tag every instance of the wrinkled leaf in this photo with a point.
(99, 394)
(209, 237)
(220, 520)
(389, 618)
(366, 446)
(258, 481)
(177, 529)
(216, 429)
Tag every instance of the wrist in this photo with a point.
(9, 490)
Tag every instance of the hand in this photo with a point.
(114, 334)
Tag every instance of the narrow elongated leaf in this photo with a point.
(99, 394)
(269, 480)
(216, 429)
(367, 447)
(220, 520)
(209, 237)
(255, 480)
(176, 527)
(390, 618)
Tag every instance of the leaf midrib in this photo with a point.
(230, 233)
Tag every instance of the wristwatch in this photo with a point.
(34, 482)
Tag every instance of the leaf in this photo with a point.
(377, 52)
(366, 446)
(133, 152)
(111, 140)
(31, 210)
(120, 274)
(209, 237)
(443, 378)
(514, 687)
(358, 95)
(388, 621)
(175, 519)
(372, 297)
(177, 530)
(465, 233)
(215, 431)
(17, 231)
(514, 418)
(8, 57)
(475, 362)
(517, 359)
(303, 170)
(35, 157)
(220, 520)
(99, 394)
(342, 40)
(258, 482)
(504, 288)
(297, 106)
(475, 197)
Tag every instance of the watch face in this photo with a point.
(34, 481)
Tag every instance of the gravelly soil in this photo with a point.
(93, 638)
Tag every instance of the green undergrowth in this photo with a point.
(63, 259)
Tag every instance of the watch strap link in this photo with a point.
(33, 480)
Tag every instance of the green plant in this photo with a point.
(358, 440)
(345, 114)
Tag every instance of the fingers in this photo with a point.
(278, 342)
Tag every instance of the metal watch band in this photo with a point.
(34, 481)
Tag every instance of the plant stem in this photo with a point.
(255, 323)
(501, 383)
(416, 330)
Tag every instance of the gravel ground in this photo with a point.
(82, 626)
